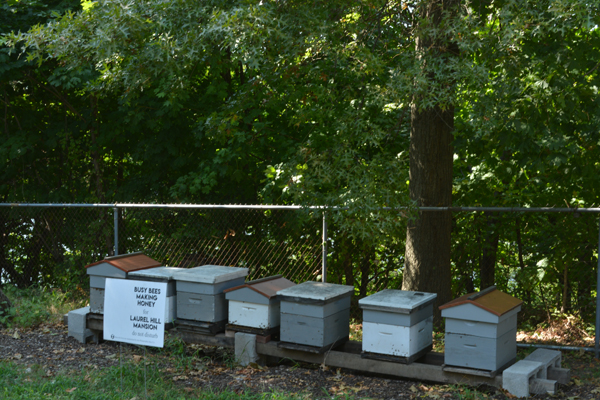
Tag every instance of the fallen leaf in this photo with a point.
(17, 356)
(71, 390)
(136, 358)
(413, 389)
(81, 350)
(112, 356)
(16, 335)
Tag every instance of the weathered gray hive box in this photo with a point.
(255, 304)
(162, 274)
(113, 267)
(200, 294)
(398, 323)
(315, 313)
(481, 330)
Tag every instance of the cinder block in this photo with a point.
(84, 336)
(77, 320)
(517, 378)
(552, 365)
(245, 348)
(542, 386)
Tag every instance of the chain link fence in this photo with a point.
(548, 258)
(50, 246)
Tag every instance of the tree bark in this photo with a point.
(428, 239)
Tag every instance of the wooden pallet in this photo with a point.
(313, 349)
(397, 359)
(477, 372)
(200, 327)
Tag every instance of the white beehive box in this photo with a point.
(481, 330)
(200, 294)
(255, 304)
(113, 267)
(398, 323)
(315, 314)
(162, 274)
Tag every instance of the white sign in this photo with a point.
(134, 311)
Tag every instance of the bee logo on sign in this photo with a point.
(134, 312)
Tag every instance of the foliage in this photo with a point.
(308, 102)
(35, 306)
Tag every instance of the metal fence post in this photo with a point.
(116, 228)
(598, 298)
(324, 266)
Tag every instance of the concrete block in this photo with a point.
(517, 378)
(77, 320)
(83, 337)
(245, 348)
(561, 375)
(552, 365)
(542, 386)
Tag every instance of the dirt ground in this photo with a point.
(200, 366)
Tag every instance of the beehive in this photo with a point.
(200, 294)
(398, 323)
(481, 330)
(162, 274)
(113, 267)
(315, 314)
(255, 304)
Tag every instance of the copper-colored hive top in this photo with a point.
(129, 262)
(268, 287)
(490, 299)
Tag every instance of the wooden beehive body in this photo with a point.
(315, 314)
(117, 267)
(398, 323)
(481, 330)
(255, 304)
(200, 294)
(162, 274)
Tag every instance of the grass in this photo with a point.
(37, 306)
(19, 382)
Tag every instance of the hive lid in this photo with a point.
(210, 274)
(490, 299)
(129, 262)
(315, 292)
(267, 287)
(164, 273)
(399, 301)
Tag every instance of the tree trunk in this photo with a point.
(427, 266)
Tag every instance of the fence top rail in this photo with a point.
(296, 207)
